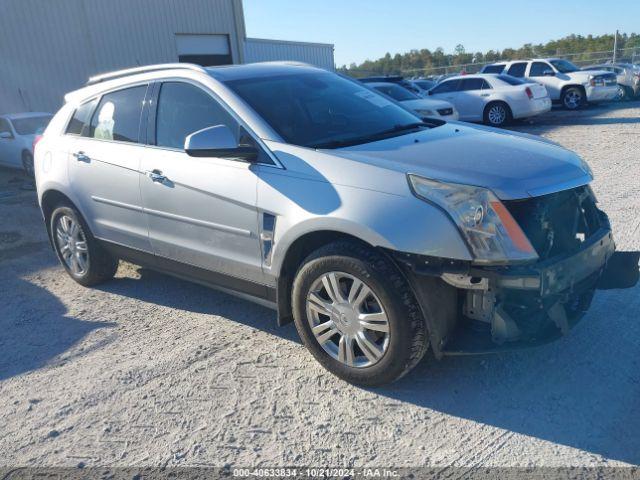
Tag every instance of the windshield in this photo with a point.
(564, 66)
(31, 125)
(396, 92)
(322, 110)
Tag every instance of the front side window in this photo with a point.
(322, 110)
(564, 66)
(118, 115)
(79, 123)
(446, 87)
(184, 109)
(396, 92)
(538, 69)
(517, 69)
(31, 125)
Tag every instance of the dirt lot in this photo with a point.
(149, 370)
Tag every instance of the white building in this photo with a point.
(48, 48)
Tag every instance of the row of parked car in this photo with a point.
(500, 93)
(511, 90)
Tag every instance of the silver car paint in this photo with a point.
(209, 213)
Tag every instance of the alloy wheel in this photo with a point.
(497, 115)
(347, 319)
(572, 99)
(72, 244)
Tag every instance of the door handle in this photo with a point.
(156, 176)
(484, 94)
(82, 157)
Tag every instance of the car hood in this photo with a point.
(426, 104)
(512, 165)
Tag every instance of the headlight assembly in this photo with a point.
(425, 113)
(485, 223)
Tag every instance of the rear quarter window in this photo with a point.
(79, 123)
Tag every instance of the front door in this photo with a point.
(10, 153)
(200, 211)
(544, 74)
(104, 167)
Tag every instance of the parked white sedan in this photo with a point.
(493, 99)
(424, 107)
(17, 133)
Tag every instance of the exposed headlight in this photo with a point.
(425, 113)
(485, 223)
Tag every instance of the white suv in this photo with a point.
(565, 82)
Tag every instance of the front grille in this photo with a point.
(445, 111)
(558, 223)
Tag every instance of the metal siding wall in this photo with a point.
(48, 48)
(259, 50)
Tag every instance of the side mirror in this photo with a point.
(219, 142)
(6, 135)
(549, 73)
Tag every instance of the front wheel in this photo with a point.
(357, 315)
(497, 114)
(573, 98)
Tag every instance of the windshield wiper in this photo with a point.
(372, 137)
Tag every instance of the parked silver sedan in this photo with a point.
(17, 134)
(628, 78)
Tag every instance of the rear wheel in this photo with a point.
(356, 314)
(497, 114)
(573, 98)
(84, 259)
(27, 165)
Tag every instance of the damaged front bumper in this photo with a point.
(471, 309)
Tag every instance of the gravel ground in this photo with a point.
(148, 370)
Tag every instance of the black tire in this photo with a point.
(27, 165)
(573, 98)
(497, 114)
(100, 266)
(408, 338)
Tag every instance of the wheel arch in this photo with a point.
(48, 201)
(574, 85)
(293, 257)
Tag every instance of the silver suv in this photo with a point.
(378, 233)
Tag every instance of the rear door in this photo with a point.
(201, 212)
(472, 97)
(104, 166)
(539, 73)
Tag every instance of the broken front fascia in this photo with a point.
(506, 307)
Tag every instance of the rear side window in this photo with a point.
(184, 109)
(446, 87)
(474, 84)
(493, 68)
(79, 123)
(517, 69)
(118, 115)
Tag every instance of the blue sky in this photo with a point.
(362, 29)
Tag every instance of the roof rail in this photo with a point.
(147, 68)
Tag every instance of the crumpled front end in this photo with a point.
(495, 308)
